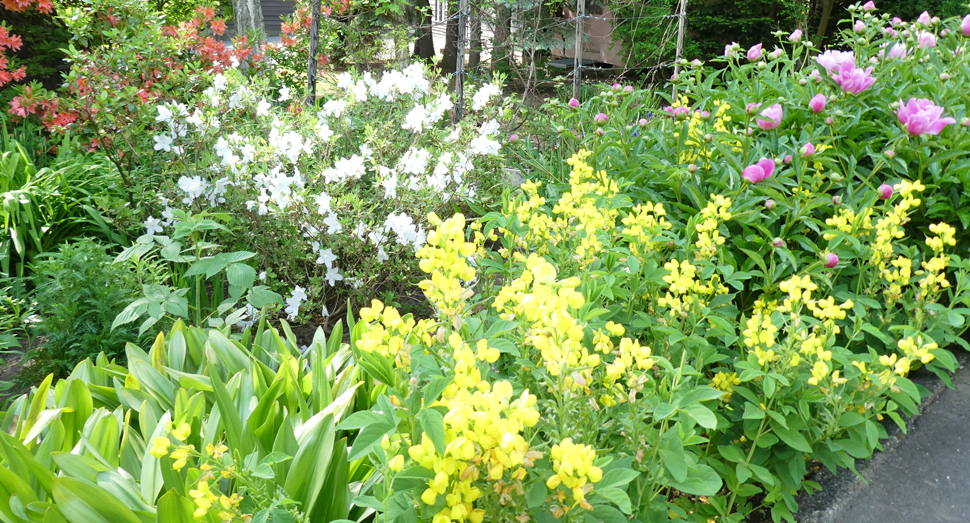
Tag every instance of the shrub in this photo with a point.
(79, 291)
(331, 199)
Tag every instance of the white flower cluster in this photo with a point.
(484, 95)
(294, 301)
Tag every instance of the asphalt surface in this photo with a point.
(923, 476)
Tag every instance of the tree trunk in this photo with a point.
(502, 31)
(823, 24)
(449, 58)
(475, 37)
(424, 45)
(248, 17)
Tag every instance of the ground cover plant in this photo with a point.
(684, 311)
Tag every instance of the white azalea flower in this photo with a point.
(153, 226)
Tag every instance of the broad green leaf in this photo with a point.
(81, 502)
(702, 482)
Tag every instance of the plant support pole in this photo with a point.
(681, 28)
(460, 60)
(311, 80)
(578, 60)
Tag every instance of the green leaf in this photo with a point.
(791, 436)
(536, 495)
(307, 474)
(173, 508)
(82, 502)
(617, 496)
(702, 415)
(731, 453)
(433, 424)
(703, 482)
(617, 477)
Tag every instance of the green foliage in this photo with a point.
(79, 291)
(197, 417)
(45, 207)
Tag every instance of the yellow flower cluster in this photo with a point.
(897, 276)
(848, 222)
(685, 291)
(916, 348)
(759, 335)
(934, 269)
(445, 258)
(643, 226)
(483, 433)
(541, 229)
(573, 465)
(724, 381)
(708, 236)
(543, 303)
(630, 355)
(390, 335)
(696, 129)
(890, 227)
(203, 496)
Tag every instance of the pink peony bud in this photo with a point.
(600, 119)
(769, 204)
(704, 116)
(778, 242)
(754, 53)
(759, 171)
(868, 6)
(628, 89)
(795, 36)
(965, 26)
(944, 77)
(776, 54)
(890, 154)
(837, 199)
(924, 19)
(885, 191)
(817, 103)
(752, 107)
(599, 131)
(787, 159)
(643, 122)
(829, 121)
(965, 122)
(807, 150)
(859, 26)
(696, 63)
(830, 259)
(772, 117)
(514, 138)
(574, 103)
(692, 168)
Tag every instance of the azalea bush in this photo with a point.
(330, 199)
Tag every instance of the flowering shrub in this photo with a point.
(331, 201)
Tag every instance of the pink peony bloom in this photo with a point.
(868, 6)
(926, 39)
(729, 49)
(773, 117)
(830, 259)
(832, 61)
(854, 80)
(885, 191)
(817, 103)
(759, 171)
(922, 116)
(796, 35)
(859, 26)
(754, 53)
(965, 26)
(574, 103)
(896, 51)
(924, 19)
(807, 150)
